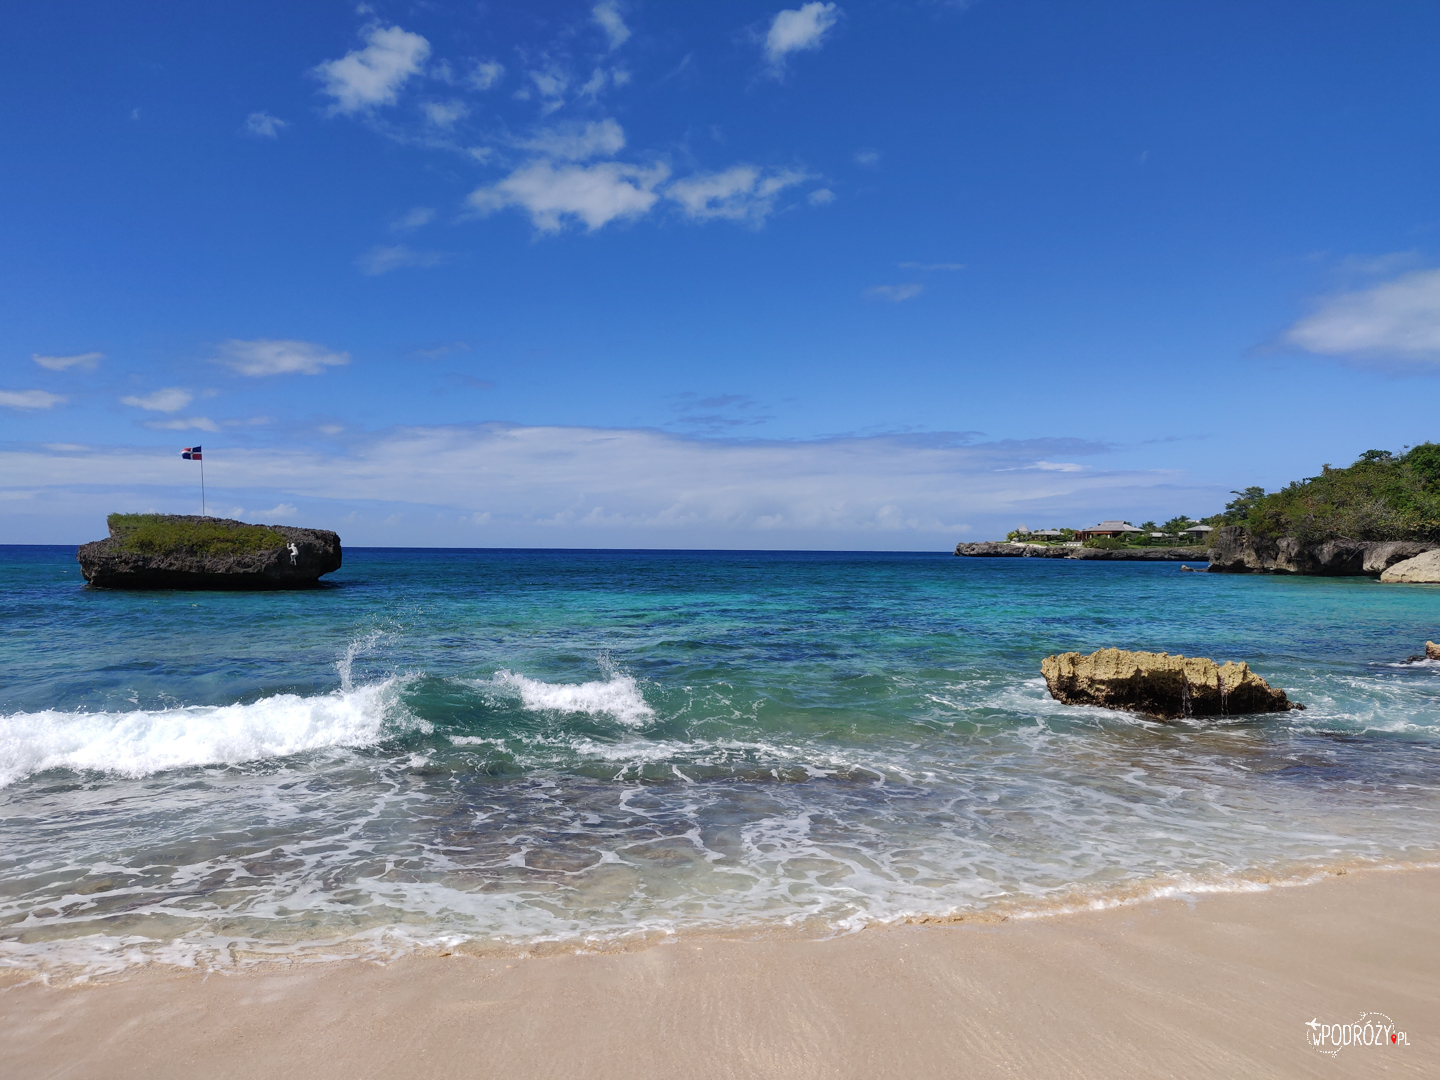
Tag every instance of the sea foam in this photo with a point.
(146, 741)
(618, 697)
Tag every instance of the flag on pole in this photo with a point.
(192, 453)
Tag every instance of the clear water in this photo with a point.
(494, 749)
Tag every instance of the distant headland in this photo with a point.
(175, 551)
(1378, 517)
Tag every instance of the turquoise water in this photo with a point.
(494, 749)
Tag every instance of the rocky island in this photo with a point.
(174, 551)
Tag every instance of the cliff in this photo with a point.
(1005, 550)
(1235, 550)
(170, 551)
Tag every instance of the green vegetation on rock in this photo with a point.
(156, 534)
(1383, 496)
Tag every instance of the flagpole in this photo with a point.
(202, 488)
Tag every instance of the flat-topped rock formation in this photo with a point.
(1422, 569)
(1234, 550)
(1160, 685)
(173, 551)
(1005, 549)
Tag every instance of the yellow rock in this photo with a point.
(1160, 685)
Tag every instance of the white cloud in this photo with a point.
(820, 197)
(264, 356)
(867, 157)
(283, 512)
(739, 193)
(576, 142)
(1377, 265)
(29, 399)
(373, 75)
(413, 219)
(589, 487)
(171, 399)
(383, 259)
(1058, 466)
(601, 78)
(895, 293)
(798, 29)
(193, 423)
(263, 125)
(63, 363)
(594, 194)
(551, 84)
(485, 74)
(1398, 320)
(610, 21)
(444, 114)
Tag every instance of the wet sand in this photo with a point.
(1221, 986)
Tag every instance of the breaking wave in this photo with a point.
(146, 741)
(617, 697)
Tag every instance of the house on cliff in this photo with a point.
(1122, 530)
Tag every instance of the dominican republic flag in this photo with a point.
(191, 453)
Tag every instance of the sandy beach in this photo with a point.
(1219, 985)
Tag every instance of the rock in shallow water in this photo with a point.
(1160, 685)
(1422, 569)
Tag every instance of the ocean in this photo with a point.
(533, 750)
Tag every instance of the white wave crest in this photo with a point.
(148, 741)
(618, 697)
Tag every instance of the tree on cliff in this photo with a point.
(1238, 508)
(1382, 496)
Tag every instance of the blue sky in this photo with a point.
(838, 275)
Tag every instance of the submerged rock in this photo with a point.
(1237, 551)
(175, 551)
(1422, 569)
(1160, 685)
(1432, 652)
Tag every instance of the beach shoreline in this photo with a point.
(1216, 984)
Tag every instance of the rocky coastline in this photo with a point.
(1234, 550)
(285, 557)
(1005, 549)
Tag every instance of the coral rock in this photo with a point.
(1160, 685)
